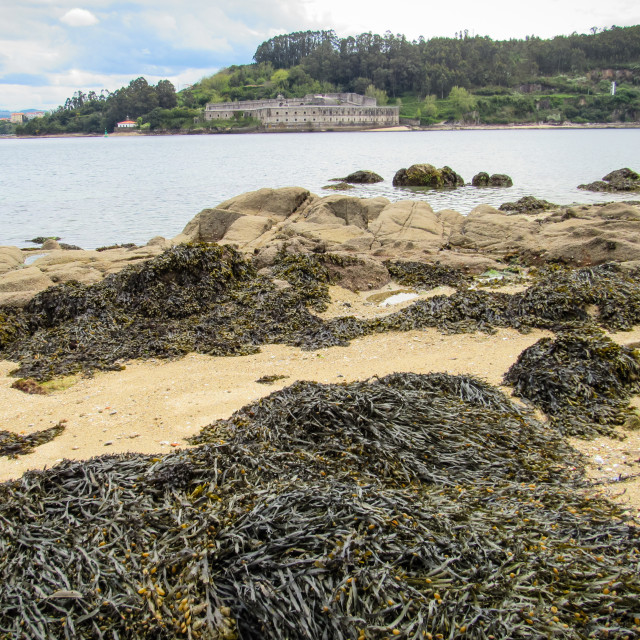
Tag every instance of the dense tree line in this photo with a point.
(94, 113)
(396, 65)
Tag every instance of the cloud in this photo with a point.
(79, 18)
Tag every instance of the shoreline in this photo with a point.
(398, 128)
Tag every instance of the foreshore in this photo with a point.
(152, 406)
(405, 128)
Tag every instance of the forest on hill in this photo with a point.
(466, 79)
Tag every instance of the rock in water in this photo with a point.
(426, 175)
(619, 180)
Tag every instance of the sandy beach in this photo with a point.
(152, 406)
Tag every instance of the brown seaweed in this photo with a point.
(582, 380)
(411, 506)
(13, 445)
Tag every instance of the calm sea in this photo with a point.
(99, 191)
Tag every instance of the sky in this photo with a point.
(51, 48)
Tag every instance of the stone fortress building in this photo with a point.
(313, 112)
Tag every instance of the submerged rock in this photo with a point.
(426, 175)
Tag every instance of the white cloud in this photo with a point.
(79, 18)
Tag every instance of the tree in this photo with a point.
(373, 92)
(429, 107)
(461, 101)
(166, 93)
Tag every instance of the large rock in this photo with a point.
(619, 180)
(426, 175)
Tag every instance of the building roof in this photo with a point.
(127, 122)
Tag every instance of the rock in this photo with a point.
(216, 225)
(159, 241)
(527, 204)
(483, 179)
(416, 222)
(480, 179)
(271, 203)
(500, 180)
(426, 175)
(10, 258)
(362, 177)
(342, 210)
(490, 230)
(340, 186)
(618, 180)
(51, 245)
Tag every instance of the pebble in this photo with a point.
(108, 443)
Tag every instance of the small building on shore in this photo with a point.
(126, 124)
(18, 118)
(313, 112)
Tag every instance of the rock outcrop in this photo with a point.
(619, 180)
(265, 222)
(426, 175)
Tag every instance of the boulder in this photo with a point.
(10, 258)
(616, 181)
(51, 245)
(362, 177)
(426, 175)
(500, 180)
(480, 179)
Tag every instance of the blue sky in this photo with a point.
(51, 48)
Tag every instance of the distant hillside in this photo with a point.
(566, 78)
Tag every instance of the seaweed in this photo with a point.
(13, 445)
(410, 506)
(425, 275)
(582, 380)
(209, 299)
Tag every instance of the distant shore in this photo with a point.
(399, 128)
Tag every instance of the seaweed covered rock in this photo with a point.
(362, 177)
(527, 204)
(581, 379)
(202, 298)
(408, 506)
(426, 175)
(619, 180)
(483, 179)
